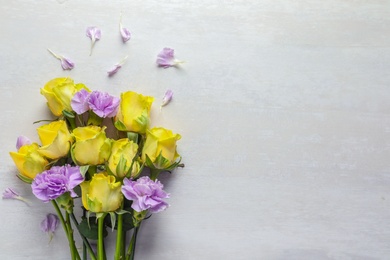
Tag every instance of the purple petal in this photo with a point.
(94, 33)
(125, 33)
(10, 194)
(114, 70)
(167, 97)
(66, 64)
(79, 101)
(166, 58)
(50, 223)
(22, 140)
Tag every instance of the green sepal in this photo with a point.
(84, 170)
(113, 220)
(68, 114)
(132, 136)
(94, 119)
(120, 126)
(121, 166)
(24, 178)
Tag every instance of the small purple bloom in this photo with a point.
(66, 64)
(52, 183)
(49, 224)
(103, 104)
(166, 58)
(22, 140)
(94, 34)
(145, 194)
(79, 101)
(167, 98)
(116, 67)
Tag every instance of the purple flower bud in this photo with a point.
(22, 140)
(166, 58)
(167, 98)
(79, 101)
(103, 104)
(94, 34)
(145, 194)
(49, 224)
(66, 64)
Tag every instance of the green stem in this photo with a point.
(68, 231)
(86, 244)
(119, 238)
(101, 253)
(131, 250)
(73, 249)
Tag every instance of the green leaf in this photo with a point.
(90, 230)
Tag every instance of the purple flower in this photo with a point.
(49, 224)
(22, 140)
(66, 64)
(79, 101)
(166, 58)
(103, 104)
(116, 67)
(52, 183)
(167, 98)
(94, 34)
(145, 194)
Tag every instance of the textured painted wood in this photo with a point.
(283, 107)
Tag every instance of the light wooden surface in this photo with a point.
(283, 107)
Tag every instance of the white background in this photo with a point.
(283, 107)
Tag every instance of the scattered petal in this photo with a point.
(167, 98)
(12, 194)
(66, 64)
(22, 140)
(50, 224)
(166, 58)
(94, 34)
(125, 33)
(116, 67)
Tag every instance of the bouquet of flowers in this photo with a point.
(99, 149)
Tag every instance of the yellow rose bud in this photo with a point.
(133, 112)
(102, 193)
(160, 147)
(59, 93)
(92, 147)
(123, 152)
(55, 138)
(28, 161)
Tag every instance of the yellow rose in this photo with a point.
(28, 161)
(92, 147)
(56, 139)
(133, 112)
(59, 93)
(160, 147)
(123, 152)
(102, 193)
